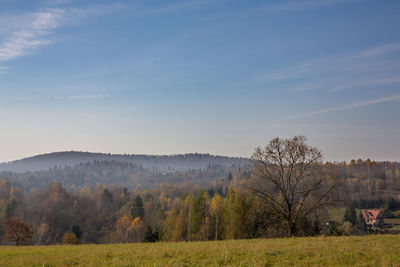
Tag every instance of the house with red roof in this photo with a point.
(373, 218)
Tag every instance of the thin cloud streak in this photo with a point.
(346, 107)
(378, 66)
(336, 109)
(3, 69)
(352, 62)
(371, 82)
(89, 96)
(384, 49)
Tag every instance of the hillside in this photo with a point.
(373, 250)
(164, 162)
(119, 173)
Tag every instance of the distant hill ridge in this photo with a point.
(71, 158)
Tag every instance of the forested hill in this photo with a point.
(71, 158)
(118, 173)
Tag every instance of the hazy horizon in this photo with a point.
(218, 77)
(173, 154)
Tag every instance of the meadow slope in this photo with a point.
(377, 250)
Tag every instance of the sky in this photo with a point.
(208, 76)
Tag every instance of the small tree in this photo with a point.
(107, 196)
(350, 215)
(76, 230)
(150, 235)
(70, 238)
(361, 224)
(230, 178)
(18, 232)
(390, 204)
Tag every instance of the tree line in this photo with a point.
(285, 192)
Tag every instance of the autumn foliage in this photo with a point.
(129, 230)
(18, 232)
(70, 238)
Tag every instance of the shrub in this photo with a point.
(70, 238)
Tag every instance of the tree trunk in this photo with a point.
(292, 231)
(216, 229)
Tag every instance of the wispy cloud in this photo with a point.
(378, 66)
(354, 105)
(27, 32)
(48, 98)
(346, 107)
(19, 98)
(88, 96)
(3, 69)
(381, 50)
(31, 35)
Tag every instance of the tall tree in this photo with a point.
(237, 208)
(290, 168)
(186, 221)
(168, 232)
(202, 209)
(137, 208)
(136, 230)
(9, 209)
(122, 228)
(217, 210)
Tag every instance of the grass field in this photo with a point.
(374, 250)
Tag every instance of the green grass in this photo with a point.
(374, 250)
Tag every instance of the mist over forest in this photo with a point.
(163, 162)
(80, 197)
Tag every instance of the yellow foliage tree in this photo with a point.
(70, 238)
(122, 228)
(129, 230)
(136, 230)
(217, 210)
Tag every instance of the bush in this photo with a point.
(347, 228)
(334, 229)
(70, 238)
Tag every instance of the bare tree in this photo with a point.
(286, 174)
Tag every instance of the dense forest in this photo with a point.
(120, 173)
(163, 162)
(285, 189)
(208, 204)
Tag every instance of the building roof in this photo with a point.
(370, 214)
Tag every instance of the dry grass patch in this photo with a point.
(379, 250)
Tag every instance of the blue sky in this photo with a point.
(221, 77)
